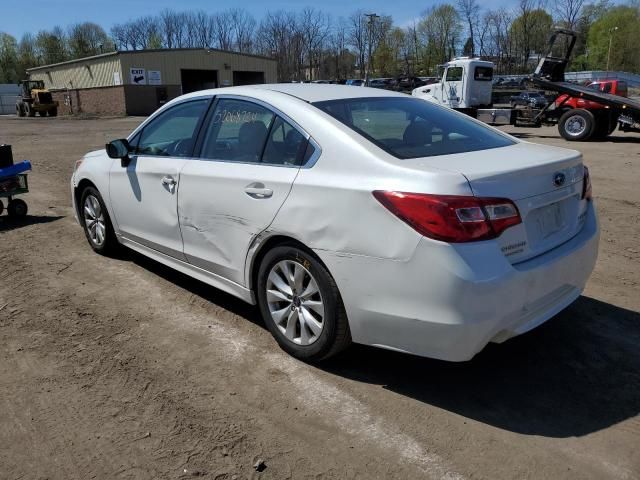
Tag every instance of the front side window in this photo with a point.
(237, 131)
(454, 74)
(483, 74)
(412, 128)
(172, 133)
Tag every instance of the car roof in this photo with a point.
(308, 92)
(321, 92)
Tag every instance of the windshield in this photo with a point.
(413, 128)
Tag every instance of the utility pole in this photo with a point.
(371, 20)
(611, 32)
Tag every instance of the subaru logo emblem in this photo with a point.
(558, 179)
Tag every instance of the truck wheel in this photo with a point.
(53, 112)
(19, 110)
(29, 110)
(577, 124)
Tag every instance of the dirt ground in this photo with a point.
(122, 368)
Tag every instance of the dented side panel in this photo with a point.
(220, 216)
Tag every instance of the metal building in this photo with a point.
(138, 82)
(9, 93)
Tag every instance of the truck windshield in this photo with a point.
(413, 128)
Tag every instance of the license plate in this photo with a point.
(550, 219)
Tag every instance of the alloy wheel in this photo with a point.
(94, 220)
(295, 302)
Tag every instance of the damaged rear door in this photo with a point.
(248, 158)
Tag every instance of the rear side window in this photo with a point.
(172, 132)
(285, 146)
(483, 74)
(237, 131)
(412, 128)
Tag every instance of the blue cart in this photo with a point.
(13, 182)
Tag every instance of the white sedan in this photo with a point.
(349, 215)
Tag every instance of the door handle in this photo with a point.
(169, 182)
(258, 191)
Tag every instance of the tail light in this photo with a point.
(451, 218)
(586, 185)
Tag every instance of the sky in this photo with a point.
(15, 19)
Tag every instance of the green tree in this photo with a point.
(388, 59)
(529, 34)
(619, 27)
(440, 30)
(87, 39)
(27, 56)
(51, 46)
(8, 58)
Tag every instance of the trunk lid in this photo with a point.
(544, 182)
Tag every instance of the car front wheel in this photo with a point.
(301, 305)
(96, 222)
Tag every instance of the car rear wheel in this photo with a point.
(96, 222)
(576, 125)
(301, 305)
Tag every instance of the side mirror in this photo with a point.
(119, 149)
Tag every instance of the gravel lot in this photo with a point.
(122, 368)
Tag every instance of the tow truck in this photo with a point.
(576, 119)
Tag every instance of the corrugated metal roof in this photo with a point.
(135, 52)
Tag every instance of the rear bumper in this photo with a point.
(449, 301)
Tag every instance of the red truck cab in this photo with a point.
(614, 87)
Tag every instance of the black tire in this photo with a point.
(17, 208)
(1, 207)
(576, 125)
(19, 110)
(29, 111)
(109, 244)
(53, 112)
(335, 335)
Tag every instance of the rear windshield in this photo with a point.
(413, 128)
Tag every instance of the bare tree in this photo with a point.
(314, 27)
(167, 27)
(223, 30)
(568, 12)
(470, 12)
(243, 26)
(358, 37)
(278, 37)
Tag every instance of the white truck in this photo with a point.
(465, 84)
